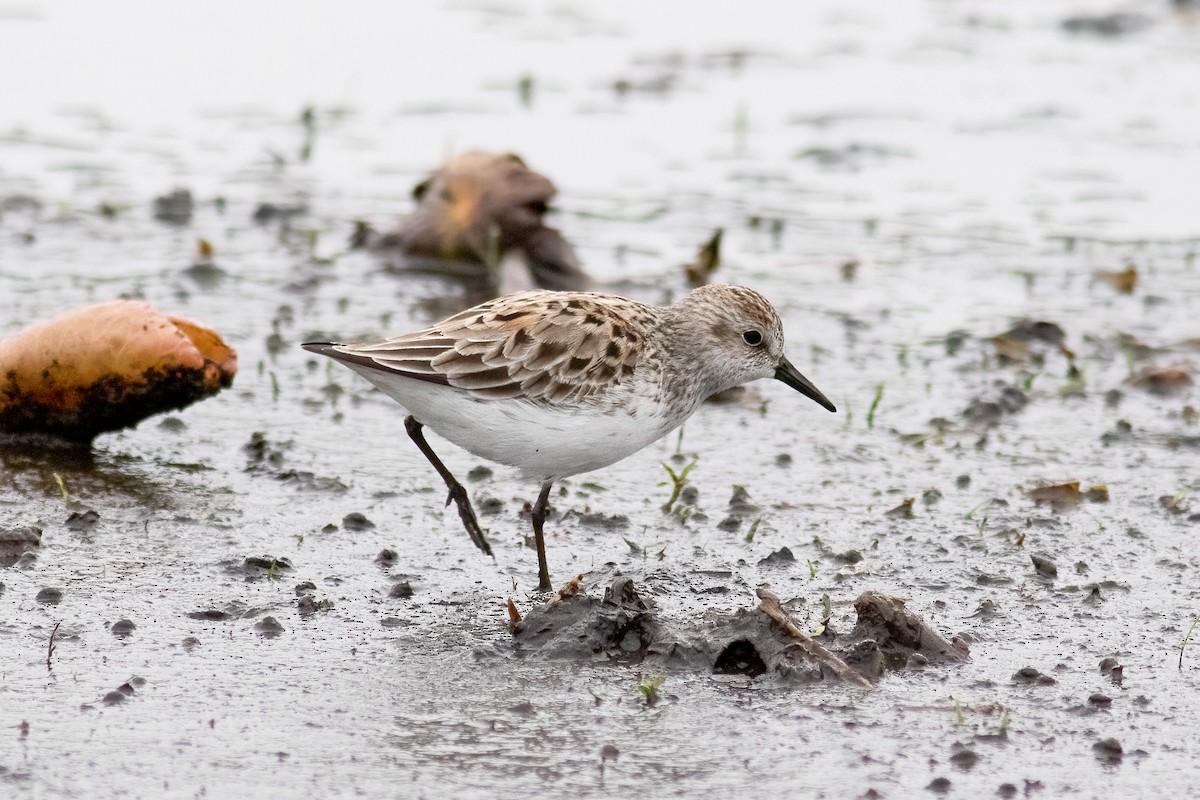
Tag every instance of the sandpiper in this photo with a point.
(559, 383)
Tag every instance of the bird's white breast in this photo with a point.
(544, 442)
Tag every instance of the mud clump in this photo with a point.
(625, 627)
(16, 542)
(106, 367)
(573, 624)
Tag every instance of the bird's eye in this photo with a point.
(752, 338)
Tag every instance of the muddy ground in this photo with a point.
(262, 595)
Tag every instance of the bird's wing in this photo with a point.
(548, 348)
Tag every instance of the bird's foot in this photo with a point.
(458, 496)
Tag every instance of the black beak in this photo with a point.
(792, 377)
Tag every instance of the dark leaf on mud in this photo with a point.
(1172, 504)
(1163, 381)
(1058, 496)
(1124, 281)
(707, 260)
(1015, 343)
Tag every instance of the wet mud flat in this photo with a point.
(995, 282)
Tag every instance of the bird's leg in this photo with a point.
(539, 518)
(457, 493)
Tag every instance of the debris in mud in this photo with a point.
(1059, 496)
(255, 567)
(306, 602)
(1163, 382)
(174, 208)
(403, 590)
(473, 211)
(1124, 281)
(1108, 749)
(356, 521)
(1118, 23)
(708, 258)
(269, 627)
(780, 557)
(1043, 565)
(898, 632)
(120, 694)
(740, 504)
(1172, 503)
(122, 628)
(266, 213)
(307, 605)
(963, 757)
(625, 627)
(853, 157)
(267, 457)
(1018, 343)
(939, 785)
(82, 520)
(595, 519)
(50, 596)
(986, 412)
(1032, 675)
(17, 542)
(105, 367)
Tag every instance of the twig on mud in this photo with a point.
(770, 605)
(50, 647)
(1183, 644)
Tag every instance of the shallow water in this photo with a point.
(976, 162)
